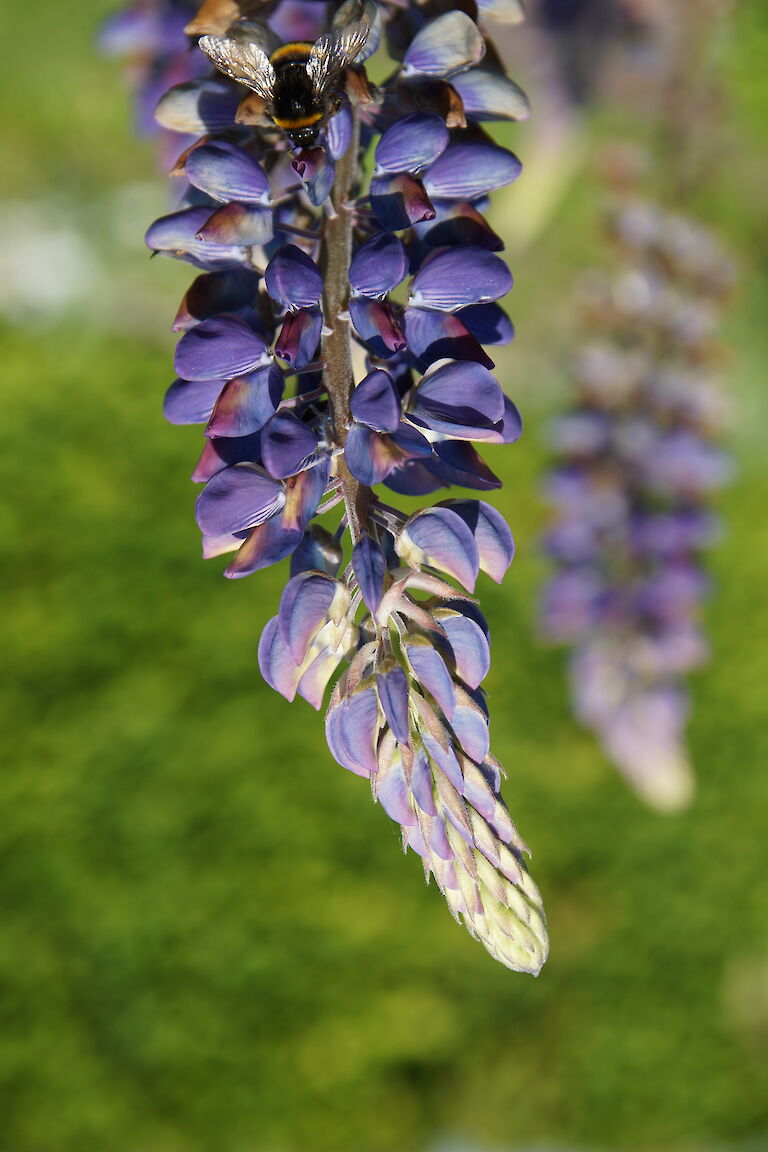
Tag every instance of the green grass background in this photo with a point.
(210, 940)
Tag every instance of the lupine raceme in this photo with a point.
(333, 346)
(637, 462)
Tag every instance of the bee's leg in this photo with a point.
(334, 103)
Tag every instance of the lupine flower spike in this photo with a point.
(317, 385)
(637, 463)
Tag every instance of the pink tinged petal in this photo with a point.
(219, 545)
(225, 451)
(503, 11)
(338, 132)
(177, 235)
(303, 493)
(378, 266)
(444, 47)
(286, 444)
(247, 403)
(479, 790)
(400, 201)
(200, 106)
(376, 403)
(308, 602)
(411, 144)
(238, 224)
(369, 566)
(495, 545)
(215, 293)
(265, 545)
(315, 169)
(226, 172)
(376, 324)
(191, 402)
(351, 730)
(429, 669)
(275, 663)
(444, 756)
(293, 279)
(368, 455)
(392, 689)
(488, 95)
(471, 169)
(318, 551)
(413, 838)
(435, 336)
(219, 348)
(299, 337)
(421, 783)
(440, 538)
(454, 278)
(489, 323)
(238, 498)
(392, 792)
(316, 678)
(469, 648)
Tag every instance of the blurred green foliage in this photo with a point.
(211, 941)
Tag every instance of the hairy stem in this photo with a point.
(337, 344)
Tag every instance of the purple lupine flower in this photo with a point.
(637, 459)
(334, 342)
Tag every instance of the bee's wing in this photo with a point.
(243, 61)
(334, 52)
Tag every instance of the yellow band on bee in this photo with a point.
(299, 49)
(299, 122)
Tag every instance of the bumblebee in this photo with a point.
(298, 82)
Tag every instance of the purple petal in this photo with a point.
(411, 144)
(293, 279)
(471, 730)
(191, 402)
(176, 234)
(224, 452)
(489, 323)
(351, 728)
(238, 498)
(392, 688)
(440, 538)
(369, 566)
(275, 663)
(316, 677)
(376, 324)
(458, 464)
(247, 403)
(378, 266)
(454, 278)
(238, 224)
(495, 545)
(338, 132)
(318, 551)
(470, 169)
(400, 201)
(469, 647)
(488, 95)
(299, 337)
(444, 757)
(219, 348)
(303, 493)
(458, 222)
(375, 402)
(435, 336)
(393, 793)
(286, 444)
(430, 670)
(313, 166)
(421, 783)
(199, 106)
(305, 607)
(226, 173)
(266, 544)
(441, 401)
(445, 46)
(214, 293)
(367, 455)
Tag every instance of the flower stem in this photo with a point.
(337, 344)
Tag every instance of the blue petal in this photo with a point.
(411, 144)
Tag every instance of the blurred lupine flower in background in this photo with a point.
(637, 462)
(334, 341)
